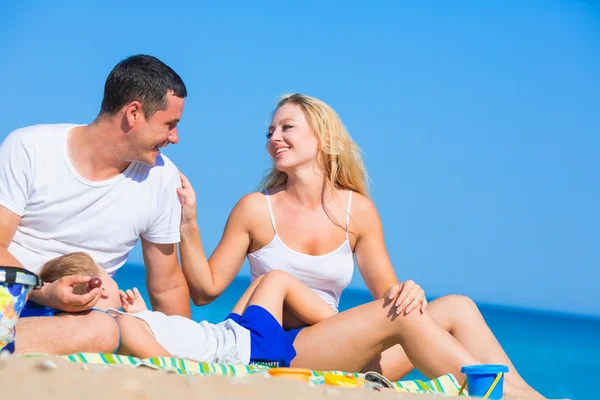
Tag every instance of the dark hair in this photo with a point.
(141, 78)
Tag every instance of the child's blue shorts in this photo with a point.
(268, 340)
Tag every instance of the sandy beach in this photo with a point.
(56, 378)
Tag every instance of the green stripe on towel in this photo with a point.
(446, 384)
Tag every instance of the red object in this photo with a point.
(94, 283)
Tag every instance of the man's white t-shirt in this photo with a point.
(62, 212)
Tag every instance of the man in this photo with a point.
(96, 188)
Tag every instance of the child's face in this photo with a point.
(109, 297)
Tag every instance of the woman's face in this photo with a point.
(291, 141)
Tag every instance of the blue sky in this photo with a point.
(478, 120)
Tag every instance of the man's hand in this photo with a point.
(59, 294)
(132, 301)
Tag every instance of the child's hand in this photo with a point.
(132, 301)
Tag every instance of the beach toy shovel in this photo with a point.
(345, 381)
(15, 286)
(299, 374)
(485, 381)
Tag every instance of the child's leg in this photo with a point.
(243, 301)
(277, 289)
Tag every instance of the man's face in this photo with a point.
(159, 131)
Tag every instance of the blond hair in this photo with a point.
(339, 155)
(77, 263)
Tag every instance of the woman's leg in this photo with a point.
(350, 340)
(278, 290)
(459, 316)
(242, 303)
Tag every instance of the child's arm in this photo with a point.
(137, 339)
(132, 301)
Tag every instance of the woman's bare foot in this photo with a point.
(517, 392)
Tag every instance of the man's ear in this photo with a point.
(133, 113)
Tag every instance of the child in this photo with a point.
(252, 333)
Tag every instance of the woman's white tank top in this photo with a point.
(327, 275)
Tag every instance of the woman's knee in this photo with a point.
(275, 277)
(462, 303)
(460, 306)
(450, 310)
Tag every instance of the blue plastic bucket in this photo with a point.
(15, 286)
(486, 381)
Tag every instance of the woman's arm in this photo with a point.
(207, 279)
(374, 263)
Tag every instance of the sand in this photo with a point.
(55, 378)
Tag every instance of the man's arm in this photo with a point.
(167, 287)
(58, 294)
(9, 222)
(16, 175)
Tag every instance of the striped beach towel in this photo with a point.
(446, 384)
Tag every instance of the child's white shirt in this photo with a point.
(225, 342)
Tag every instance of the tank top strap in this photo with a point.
(347, 213)
(271, 211)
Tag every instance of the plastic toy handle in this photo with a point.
(498, 377)
(490, 390)
(462, 388)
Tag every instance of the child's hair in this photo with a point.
(77, 263)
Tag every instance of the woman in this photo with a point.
(312, 216)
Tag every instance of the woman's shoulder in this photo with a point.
(250, 201)
(363, 210)
(250, 206)
(362, 204)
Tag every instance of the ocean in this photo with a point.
(557, 354)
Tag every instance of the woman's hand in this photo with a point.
(407, 296)
(188, 195)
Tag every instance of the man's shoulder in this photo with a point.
(42, 129)
(37, 134)
(166, 164)
(166, 168)
(162, 173)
